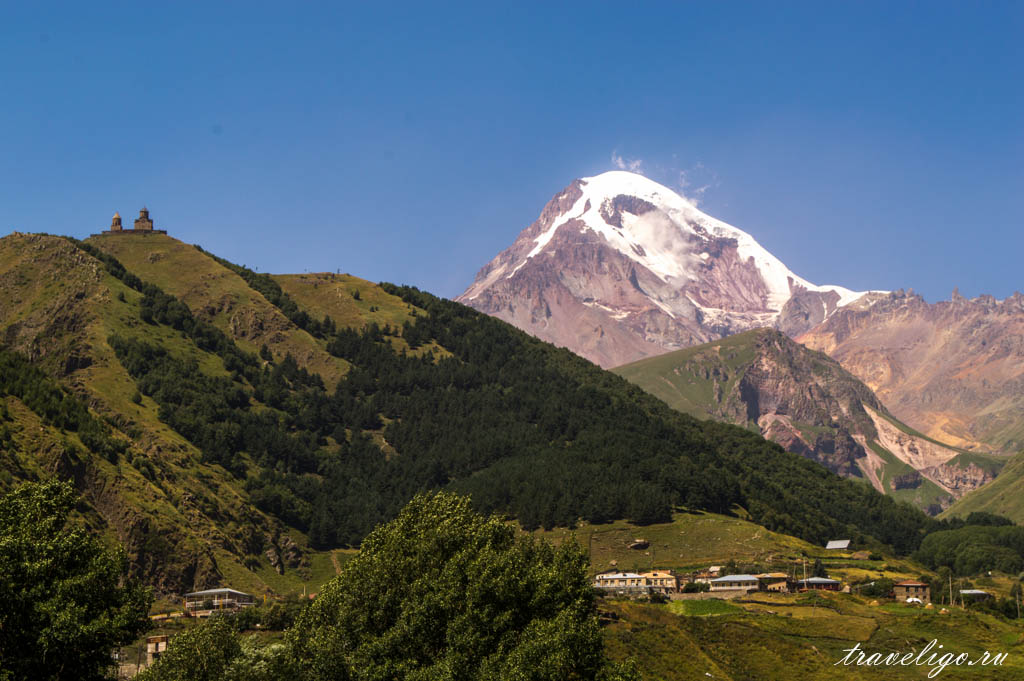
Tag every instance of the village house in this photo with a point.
(911, 588)
(818, 584)
(773, 581)
(205, 603)
(838, 545)
(155, 646)
(705, 576)
(655, 581)
(662, 581)
(735, 582)
(621, 581)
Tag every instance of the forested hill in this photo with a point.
(324, 403)
(549, 437)
(524, 427)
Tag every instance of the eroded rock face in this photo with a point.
(960, 479)
(618, 267)
(953, 369)
(806, 402)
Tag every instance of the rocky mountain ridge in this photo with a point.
(808, 403)
(954, 369)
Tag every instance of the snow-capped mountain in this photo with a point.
(618, 267)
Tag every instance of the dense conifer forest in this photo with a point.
(525, 428)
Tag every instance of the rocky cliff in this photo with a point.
(952, 369)
(810, 405)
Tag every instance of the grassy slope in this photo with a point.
(990, 462)
(778, 638)
(204, 507)
(697, 540)
(220, 296)
(921, 496)
(685, 379)
(58, 301)
(325, 294)
(1004, 495)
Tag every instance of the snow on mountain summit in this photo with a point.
(621, 249)
(666, 246)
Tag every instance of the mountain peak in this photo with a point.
(621, 250)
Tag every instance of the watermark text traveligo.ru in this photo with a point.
(931, 656)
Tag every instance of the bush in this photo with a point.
(880, 588)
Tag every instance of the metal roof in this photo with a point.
(736, 578)
(818, 580)
(838, 544)
(619, 575)
(215, 592)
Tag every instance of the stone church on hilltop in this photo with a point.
(143, 225)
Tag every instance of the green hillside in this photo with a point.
(220, 296)
(692, 541)
(799, 637)
(1004, 495)
(808, 403)
(270, 420)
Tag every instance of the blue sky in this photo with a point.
(873, 145)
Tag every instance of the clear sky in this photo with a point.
(872, 145)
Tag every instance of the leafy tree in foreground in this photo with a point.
(213, 651)
(444, 593)
(202, 653)
(64, 602)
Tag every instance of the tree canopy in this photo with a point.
(442, 592)
(65, 604)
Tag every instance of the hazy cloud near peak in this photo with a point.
(633, 165)
(691, 183)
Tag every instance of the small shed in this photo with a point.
(838, 545)
(974, 595)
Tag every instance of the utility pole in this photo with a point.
(951, 589)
